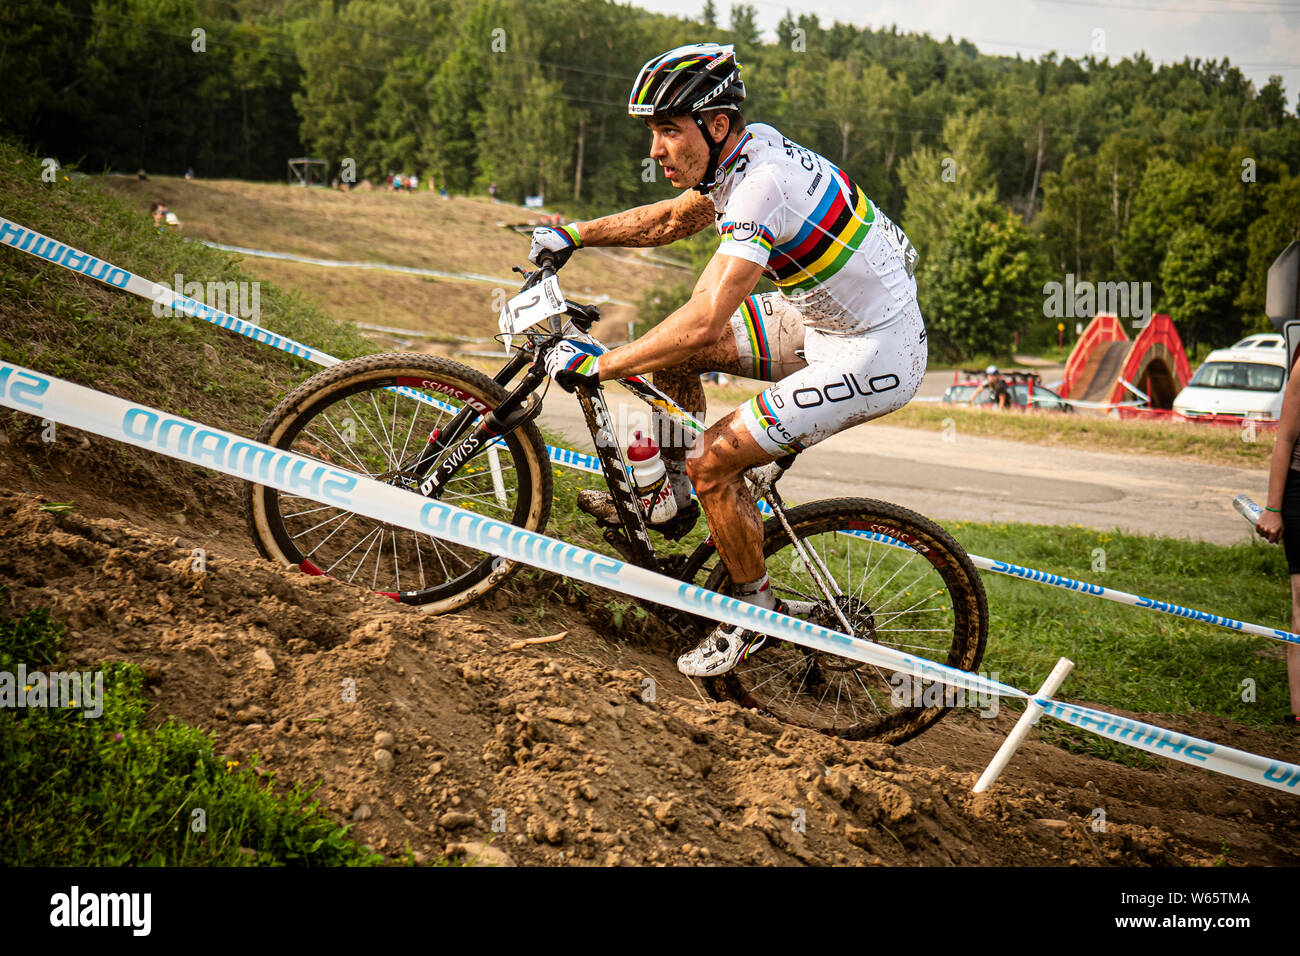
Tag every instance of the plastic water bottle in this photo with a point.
(650, 476)
(1249, 510)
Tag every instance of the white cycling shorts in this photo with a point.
(823, 382)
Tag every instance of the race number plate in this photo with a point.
(532, 306)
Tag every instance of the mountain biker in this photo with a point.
(843, 339)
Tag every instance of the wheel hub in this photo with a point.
(859, 617)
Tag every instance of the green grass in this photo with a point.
(113, 791)
(1130, 658)
(79, 329)
(1204, 443)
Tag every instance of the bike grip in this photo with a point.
(553, 259)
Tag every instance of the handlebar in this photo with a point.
(532, 278)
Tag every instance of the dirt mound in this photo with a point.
(585, 750)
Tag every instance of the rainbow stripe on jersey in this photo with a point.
(766, 418)
(827, 240)
(759, 346)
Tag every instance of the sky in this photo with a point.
(1260, 37)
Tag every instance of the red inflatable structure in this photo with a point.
(1105, 358)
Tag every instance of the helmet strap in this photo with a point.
(705, 185)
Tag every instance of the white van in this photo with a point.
(1246, 380)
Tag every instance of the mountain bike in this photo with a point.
(438, 428)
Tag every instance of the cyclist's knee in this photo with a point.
(703, 468)
(709, 469)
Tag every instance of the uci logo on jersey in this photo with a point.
(742, 231)
(775, 431)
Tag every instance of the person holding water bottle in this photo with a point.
(1282, 512)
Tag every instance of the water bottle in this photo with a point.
(653, 488)
(1249, 510)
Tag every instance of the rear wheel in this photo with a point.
(903, 582)
(373, 415)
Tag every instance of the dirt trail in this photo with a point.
(559, 746)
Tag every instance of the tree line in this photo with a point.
(1006, 173)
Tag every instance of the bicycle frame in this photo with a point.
(634, 542)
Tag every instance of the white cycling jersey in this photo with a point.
(844, 339)
(830, 251)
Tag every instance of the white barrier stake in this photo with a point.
(1027, 720)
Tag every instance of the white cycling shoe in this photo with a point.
(730, 644)
(722, 650)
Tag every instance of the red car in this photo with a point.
(1026, 390)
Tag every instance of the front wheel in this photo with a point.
(902, 581)
(373, 416)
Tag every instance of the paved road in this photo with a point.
(986, 479)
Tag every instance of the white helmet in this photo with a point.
(991, 370)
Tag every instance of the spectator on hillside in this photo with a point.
(189, 173)
(492, 191)
(1281, 520)
(413, 182)
(159, 213)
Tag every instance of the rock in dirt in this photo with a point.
(384, 740)
(384, 760)
(262, 660)
(478, 854)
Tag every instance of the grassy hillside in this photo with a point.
(70, 326)
(117, 791)
(419, 230)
